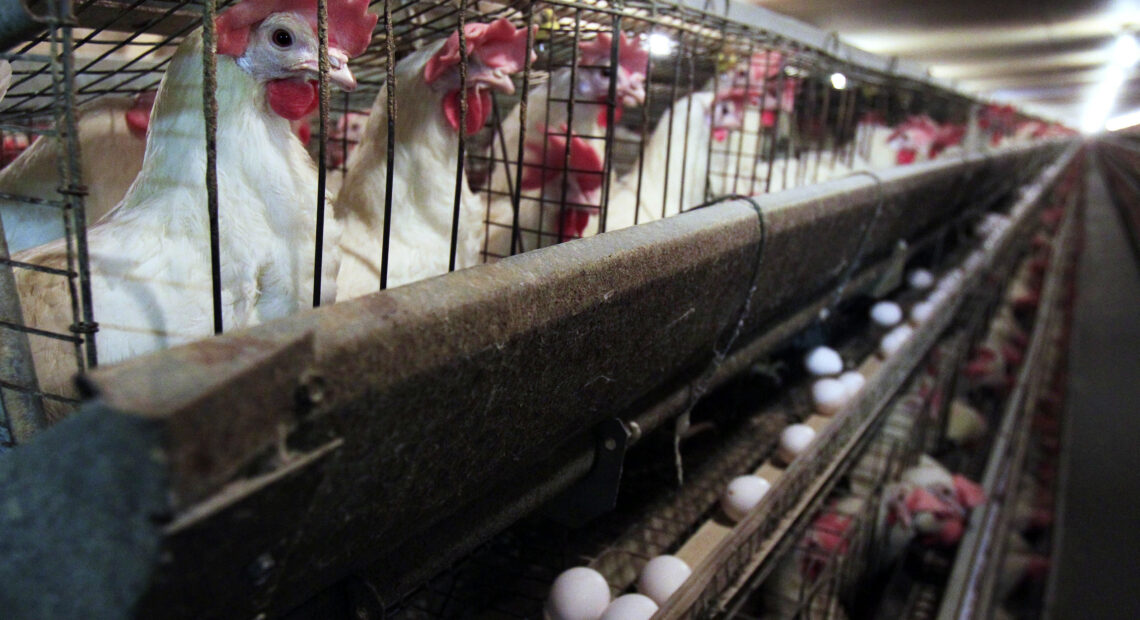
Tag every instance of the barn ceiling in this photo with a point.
(1051, 57)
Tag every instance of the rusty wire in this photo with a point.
(210, 110)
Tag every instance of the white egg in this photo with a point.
(793, 441)
(829, 395)
(663, 575)
(886, 313)
(630, 607)
(580, 593)
(823, 361)
(920, 279)
(894, 340)
(853, 380)
(888, 345)
(921, 312)
(742, 495)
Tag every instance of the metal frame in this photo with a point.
(970, 588)
(322, 420)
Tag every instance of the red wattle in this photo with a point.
(478, 109)
(951, 533)
(137, 122)
(304, 132)
(720, 134)
(292, 100)
(768, 118)
(906, 156)
(574, 223)
(587, 165)
(603, 116)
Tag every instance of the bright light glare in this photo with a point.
(660, 45)
(1125, 55)
(1125, 52)
(838, 81)
(1101, 102)
(1124, 121)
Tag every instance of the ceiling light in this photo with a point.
(660, 44)
(838, 81)
(1101, 101)
(1124, 121)
(1125, 52)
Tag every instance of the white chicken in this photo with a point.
(150, 257)
(427, 157)
(342, 142)
(693, 155)
(544, 189)
(918, 138)
(112, 139)
(674, 169)
(952, 489)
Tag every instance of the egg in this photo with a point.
(793, 441)
(920, 279)
(886, 313)
(829, 395)
(853, 380)
(823, 361)
(663, 575)
(921, 312)
(894, 340)
(742, 495)
(974, 261)
(580, 593)
(630, 607)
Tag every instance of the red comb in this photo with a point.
(350, 23)
(970, 494)
(631, 55)
(766, 65)
(498, 45)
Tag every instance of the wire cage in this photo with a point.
(629, 112)
(476, 130)
(819, 575)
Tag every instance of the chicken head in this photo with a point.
(595, 72)
(495, 51)
(276, 42)
(727, 114)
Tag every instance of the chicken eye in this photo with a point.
(607, 72)
(282, 38)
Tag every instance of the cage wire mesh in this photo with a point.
(819, 575)
(631, 111)
(510, 575)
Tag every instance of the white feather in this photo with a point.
(150, 257)
(110, 160)
(539, 209)
(423, 191)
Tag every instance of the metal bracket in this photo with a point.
(892, 277)
(597, 493)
